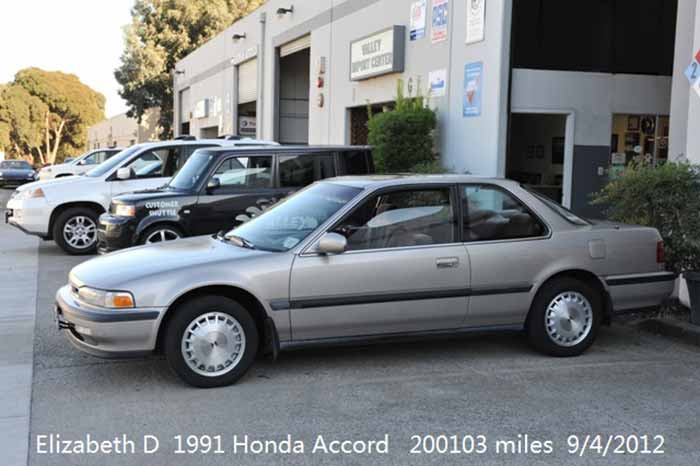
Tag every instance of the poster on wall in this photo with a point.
(440, 16)
(418, 20)
(476, 19)
(437, 83)
(247, 126)
(473, 83)
(693, 72)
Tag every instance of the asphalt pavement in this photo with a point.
(629, 384)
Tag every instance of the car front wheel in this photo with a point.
(159, 234)
(565, 317)
(75, 230)
(211, 341)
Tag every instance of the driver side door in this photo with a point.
(151, 169)
(403, 271)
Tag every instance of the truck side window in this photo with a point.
(297, 171)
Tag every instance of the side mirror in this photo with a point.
(82, 162)
(125, 173)
(332, 243)
(213, 184)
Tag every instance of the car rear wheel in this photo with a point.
(565, 317)
(75, 230)
(159, 234)
(211, 341)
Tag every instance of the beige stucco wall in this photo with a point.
(123, 131)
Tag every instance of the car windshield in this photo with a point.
(15, 165)
(192, 171)
(108, 165)
(561, 210)
(291, 221)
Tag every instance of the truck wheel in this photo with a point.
(75, 230)
(160, 233)
(565, 317)
(211, 341)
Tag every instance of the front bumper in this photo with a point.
(29, 215)
(107, 333)
(4, 181)
(114, 233)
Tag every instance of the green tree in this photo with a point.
(72, 107)
(161, 33)
(22, 118)
(402, 138)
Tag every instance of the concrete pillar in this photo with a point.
(477, 144)
(693, 131)
(680, 93)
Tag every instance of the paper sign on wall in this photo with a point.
(440, 16)
(418, 20)
(473, 84)
(693, 72)
(697, 56)
(476, 19)
(697, 87)
(437, 80)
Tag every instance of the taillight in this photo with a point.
(660, 253)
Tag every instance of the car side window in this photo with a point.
(297, 171)
(355, 162)
(93, 159)
(490, 214)
(245, 172)
(413, 217)
(151, 164)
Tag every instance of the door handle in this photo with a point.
(447, 262)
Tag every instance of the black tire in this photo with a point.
(155, 228)
(64, 218)
(185, 315)
(537, 324)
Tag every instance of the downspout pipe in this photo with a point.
(259, 110)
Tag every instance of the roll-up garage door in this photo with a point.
(248, 81)
(295, 46)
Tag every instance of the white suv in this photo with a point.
(66, 209)
(78, 166)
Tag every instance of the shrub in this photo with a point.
(665, 197)
(433, 167)
(402, 138)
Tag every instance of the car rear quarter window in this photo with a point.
(491, 213)
(296, 171)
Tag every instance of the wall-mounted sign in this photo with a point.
(201, 109)
(693, 72)
(378, 54)
(440, 15)
(476, 19)
(697, 56)
(418, 12)
(437, 81)
(247, 126)
(473, 84)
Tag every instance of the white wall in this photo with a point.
(592, 97)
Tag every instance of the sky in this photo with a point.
(83, 37)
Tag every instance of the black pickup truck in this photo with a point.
(217, 189)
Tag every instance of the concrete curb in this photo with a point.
(677, 329)
(18, 291)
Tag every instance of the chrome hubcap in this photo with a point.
(213, 344)
(159, 236)
(80, 232)
(569, 318)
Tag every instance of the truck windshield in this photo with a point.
(113, 162)
(291, 221)
(192, 171)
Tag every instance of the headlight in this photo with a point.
(124, 210)
(0, 173)
(29, 194)
(109, 299)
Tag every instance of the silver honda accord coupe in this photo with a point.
(361, 259)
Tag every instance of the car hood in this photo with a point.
(147, 195)
(146, 263)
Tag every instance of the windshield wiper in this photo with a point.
(237, 240)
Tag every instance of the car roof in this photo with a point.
(223, 143)
(222, 151)
(401, 179)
